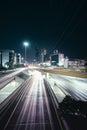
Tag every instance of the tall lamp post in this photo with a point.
(26, 44)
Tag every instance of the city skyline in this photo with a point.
(49, 24)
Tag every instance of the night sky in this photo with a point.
(50, 24)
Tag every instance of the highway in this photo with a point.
(32, 108)
(8, 76)
(75, 87)
(73, 107)
(35, 101)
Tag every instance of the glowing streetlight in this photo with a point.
(26, 44)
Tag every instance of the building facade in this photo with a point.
(57, 59)
(8, 58)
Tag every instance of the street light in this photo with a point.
(26, 44)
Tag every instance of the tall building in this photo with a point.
(55, 52)
(61, 59)
(54, 59)
(57, 58)
(66, 62)
(11, 56)
(19, 58)
(15, 58)
(6, 58)
(44, 55)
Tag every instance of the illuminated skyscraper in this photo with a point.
(61, 59)
(18, 58)
(6, 58)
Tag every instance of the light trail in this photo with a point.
(76, 87)
(33, 112)
(3, 79)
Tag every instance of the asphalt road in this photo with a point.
(8, 76)
(32, 109)
(76, 87)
